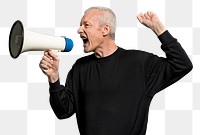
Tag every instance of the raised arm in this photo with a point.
(161, 72)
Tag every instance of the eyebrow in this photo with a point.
(85, 22)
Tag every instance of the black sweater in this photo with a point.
(112, 95)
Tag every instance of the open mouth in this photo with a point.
(85, 39)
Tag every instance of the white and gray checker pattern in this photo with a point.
(24, 96)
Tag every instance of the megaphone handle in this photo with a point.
(55, 52)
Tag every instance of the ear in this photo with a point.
(106, 30)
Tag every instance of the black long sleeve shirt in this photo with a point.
(112, 95)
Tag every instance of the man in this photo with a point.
(110, 91)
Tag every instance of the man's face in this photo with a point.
(90, 31)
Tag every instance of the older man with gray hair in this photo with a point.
(111, 90)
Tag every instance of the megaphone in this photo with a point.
(23, 40)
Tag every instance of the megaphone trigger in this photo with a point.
(56, 51)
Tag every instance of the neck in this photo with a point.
(105, 49)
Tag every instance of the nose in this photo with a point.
(80, 30)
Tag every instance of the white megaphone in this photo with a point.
(22, 40)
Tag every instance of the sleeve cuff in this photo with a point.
(53, 87)
(165, 37)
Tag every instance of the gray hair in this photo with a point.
(108, 17)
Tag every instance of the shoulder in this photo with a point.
(135, 54)
(83, 60)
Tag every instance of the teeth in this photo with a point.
(85, 39)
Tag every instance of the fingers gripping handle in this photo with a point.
(55, 52)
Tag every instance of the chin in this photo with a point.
(86, 50)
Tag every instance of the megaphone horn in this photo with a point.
(23, 40)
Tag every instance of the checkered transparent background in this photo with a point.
(24, 96)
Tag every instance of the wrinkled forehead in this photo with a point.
(91, 16)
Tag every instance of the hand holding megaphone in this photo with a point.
(23, 40)
(50, 65)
